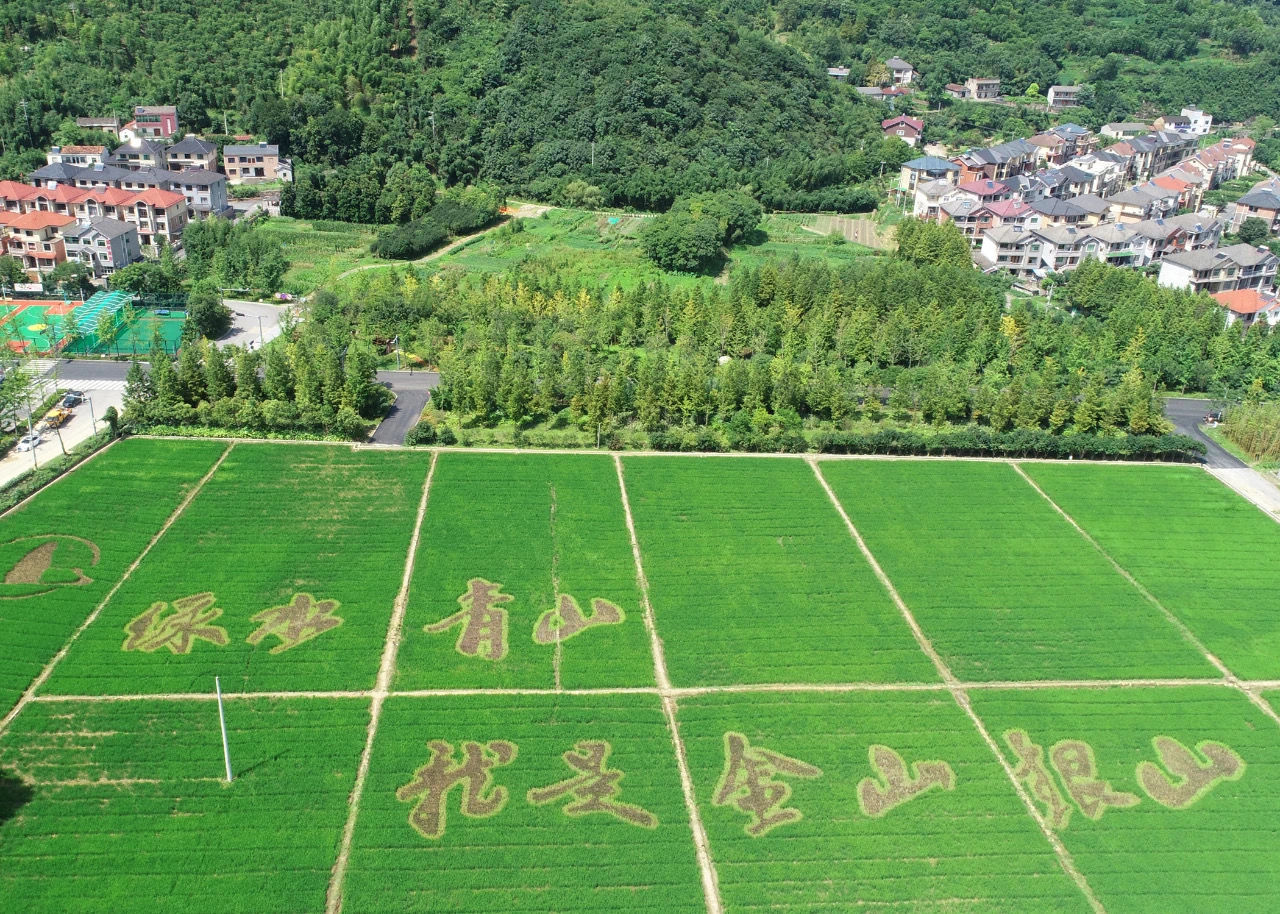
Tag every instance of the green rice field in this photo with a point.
(499, 681)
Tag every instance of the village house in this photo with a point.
(256, 163)
(109, 125)
(1013, 248)
(14, 195)
(1059, 212)
(1124, 130)
(1009, 212)
(206, 191)
(138, 153)
(157, 214)
(1201, 230)
(982, 89)
(907, 129)
(972, 218)
(1175, 122)
(996, 162)
(60, 199)
(191, 152)
(1111, 243)
(1263, 202)
(900, 71)
(1201, 123)
(955, 90)
(151, 121)
(1188, 192)
(1249, 306)
(75, 155)
(929, 198)
(33, 238)
(1144, 201)
(926, 168)
(103, 244)
(982, 191)
(55, 174)
(1239, 266)
(1063, 96)
(838, 73)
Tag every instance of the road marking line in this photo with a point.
(382, 687)
(962, 699)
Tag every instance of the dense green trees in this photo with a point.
(691, 236)
(233, 256)
(461, 210)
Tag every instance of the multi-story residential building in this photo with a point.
(152, 121)
(1263, 202)
(972, 218)
(75, 155)
(1096, 209)
(955, 90)
(982, 88)
(1053, 211)
(900, 71)
(1154, 238)
(60, 199)
(55, 174)
(1013, 248)
(996, 162)
(1202, 230)
(109, 125)
(251, 164)
(1143, 201)
(1175, 122)
(157, 214)
(907, 129)
(1111, 242)
(100, 176)
(34, 239)
(1009, 212)
(923, 169)
(1201, 123)
(103, 244)
(1063, 96)
(138, 153)
(983, 191)
(1123, 130)
(14, 196)
(1189, 193)
(103, 203)
(1249, 306)
(929, 198)
(191, 152)
(1239, 266)
(206, 191)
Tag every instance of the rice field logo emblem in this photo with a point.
(593, 788)
(176, 627)
(433, 781)
(1185, 778)
(567, 620)
(750, 783)
(1191, 778)
(301, 619)
(484, 623)
(897, 783)
(40, 564)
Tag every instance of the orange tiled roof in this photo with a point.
(84, 150)
(111, 196)
(63, 193)
(38, 219)
(1244, 301)
(157, 197)
(13, 190)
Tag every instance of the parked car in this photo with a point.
(73, 398)
(29, 441)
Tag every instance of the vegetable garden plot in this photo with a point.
(754, 578)
(62, 551)
(525, 577)
(1167, 798)
(523, 804)
(876, 800)
(1001, 584)
(123, 806)
(1209, 556)
(280, 575)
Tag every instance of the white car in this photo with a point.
(29, 441)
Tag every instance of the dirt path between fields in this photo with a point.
(386, 670)
(1187, 635)
(97, 610)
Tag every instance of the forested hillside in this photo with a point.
(645, 100)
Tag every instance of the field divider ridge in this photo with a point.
(44, 674)
(961, 698)
(1188, 635)
(701, 843)
(382, 687)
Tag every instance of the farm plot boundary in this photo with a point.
(670, 695)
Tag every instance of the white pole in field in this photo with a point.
(222, 721)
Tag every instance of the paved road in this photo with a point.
(251, 321)
(412, 389)
(1186, 416)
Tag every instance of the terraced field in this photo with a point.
(530, 682)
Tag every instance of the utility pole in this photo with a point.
(593, 153)
(225, 130)
(280, 82)
(222, 722)
(431, 115)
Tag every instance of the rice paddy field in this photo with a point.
(530, 682)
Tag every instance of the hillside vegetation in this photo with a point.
(645, 101)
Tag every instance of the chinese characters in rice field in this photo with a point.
(756, 781)
(483, 622)
(177, 625)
